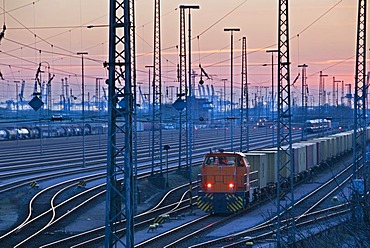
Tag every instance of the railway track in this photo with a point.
(324, 218)
(305, 213)
(95, 164)
(42, 210)
(173, 203)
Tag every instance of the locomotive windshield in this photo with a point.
(221, 159)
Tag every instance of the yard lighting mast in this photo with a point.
(189, 99)
(83, 105)
(232, 117)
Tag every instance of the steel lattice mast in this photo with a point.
(183, 90)
(120, 103)
(359, 132)
(359, 147)
(244, 107)
(285, 183)
(134, 117)
(304, 99)
(157, 92)
(189, 108)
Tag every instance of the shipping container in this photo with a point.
(258, 162)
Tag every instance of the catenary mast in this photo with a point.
(359, 130)
(119, 197)
(285, 182)
(157, 92)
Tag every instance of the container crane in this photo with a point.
(203, 72)
(208, 93)
(213, 93)
(43, 90)
(104, 94)
(200, 91)
(37, 81)
(144, 102)
(21, 94)
(105, 97)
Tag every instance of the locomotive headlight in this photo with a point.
(231, 185)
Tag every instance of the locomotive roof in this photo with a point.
(226, 153)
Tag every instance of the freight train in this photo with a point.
(62, 130)
(230, 181)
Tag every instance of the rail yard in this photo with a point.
(45, 195)
(136, 123)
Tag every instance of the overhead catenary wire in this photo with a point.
(333, 65)
(20, 7)
(203, 32)
(197, 37)
(38, 52)
(2, 34)
(4, 10)
(35, 35)
(45, 39)
(54, 53)
(273, 45)
(89, 26)
(222, 18)
(321, 16)
(214, 24)
(33, 63)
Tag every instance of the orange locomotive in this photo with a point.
(225, 183)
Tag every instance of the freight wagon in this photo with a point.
(229, 181)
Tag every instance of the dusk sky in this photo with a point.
(323, 36)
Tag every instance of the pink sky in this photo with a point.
(323, 45)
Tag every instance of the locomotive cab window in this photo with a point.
(240, 162)
(220, 160)
(210, 161)
(227, 161)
